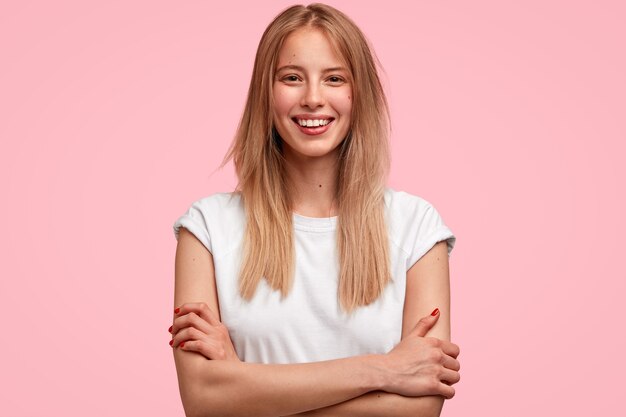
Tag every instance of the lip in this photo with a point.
(312, 116)
(312, 131)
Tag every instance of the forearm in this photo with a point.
(380, 403)
(228, 388)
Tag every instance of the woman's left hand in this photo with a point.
(197, 329)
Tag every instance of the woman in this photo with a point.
(305, 286)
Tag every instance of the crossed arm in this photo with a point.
(345, 387)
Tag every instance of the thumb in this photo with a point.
(426, 323)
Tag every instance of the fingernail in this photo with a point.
(435, 312)
(177, 310)
(182, 344)
(171, 342)
(170, 329)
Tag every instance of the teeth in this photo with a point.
(313, 123)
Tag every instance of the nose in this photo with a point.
(313, 96)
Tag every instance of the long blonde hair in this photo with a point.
(362, 238)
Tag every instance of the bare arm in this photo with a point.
(238, 388)
(228, 388)
(217, 387)
(379, 403)
(428, 286)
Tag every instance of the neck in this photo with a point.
(313, 185)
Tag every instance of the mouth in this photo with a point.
(313, 126)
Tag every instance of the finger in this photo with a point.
(186, 334)
(191, 345)
(446, 390)
(201, 309)
(451, 363)
(192, 320)
(207, 314)
(449, 376)
(180, 337)
(205, 348)
(426, 323)
(450, 348)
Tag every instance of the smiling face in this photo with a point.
(312, 96)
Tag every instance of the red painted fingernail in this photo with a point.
(171, 342)
(177, 310)
(435, 311)
(182, 344)
(170, 329)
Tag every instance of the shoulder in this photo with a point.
(403, 206)
(414, 223)
(212, 217)
(218, 201)
(217, 207)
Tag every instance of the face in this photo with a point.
(312, 96)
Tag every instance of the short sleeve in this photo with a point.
(196, 222)
(429, 229)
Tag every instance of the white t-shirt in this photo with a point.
(308, 325)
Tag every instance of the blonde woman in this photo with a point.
(309, 289)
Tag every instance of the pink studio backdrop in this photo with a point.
(507, 116)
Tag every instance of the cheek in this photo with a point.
(283, 100)
(342, 101)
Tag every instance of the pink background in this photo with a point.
(508, 116)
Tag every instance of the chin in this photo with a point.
(315, 151)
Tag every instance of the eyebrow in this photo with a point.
(299, 68)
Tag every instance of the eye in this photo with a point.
(291, 78)
(335, 79)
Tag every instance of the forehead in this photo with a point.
(308, 47)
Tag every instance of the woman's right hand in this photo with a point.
(420, 365)
(197, 328)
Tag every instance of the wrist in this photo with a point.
(378, 372)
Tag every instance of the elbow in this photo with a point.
(201, 383)
(202, 401)
(209, 406)
(209, 402)
(192, 412)
(194, 402)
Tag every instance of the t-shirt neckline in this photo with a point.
(320, 224)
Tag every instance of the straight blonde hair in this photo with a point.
(362, 239)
